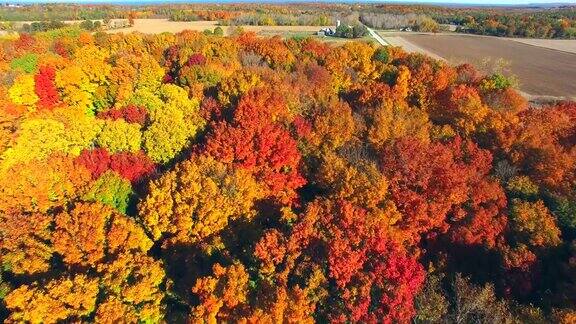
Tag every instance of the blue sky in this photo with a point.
(484, 2)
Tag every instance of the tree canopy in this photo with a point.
(201, 178)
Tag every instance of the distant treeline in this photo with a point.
(42, 26)
(60, 12)
(536, 25)
(281, 20)
(417, 22)
(496, 21)
(504, 22)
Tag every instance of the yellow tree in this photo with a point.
(197, 199)
(24, 242)
(133, 72)
(133, 289)
(38, 139)
(360, 183)
(395, 119)
(65, 130)
(93, 62)
(350, 62)
(533, 224)
(111, 249)
(174, 121)
(75, 85)
(39, 186)
(81, 128)
(23, 92)
(53, 301)
(91, 231)
(80, 80)
(236, 85)
(118, 135)
(332, 125)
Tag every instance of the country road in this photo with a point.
(378, 37)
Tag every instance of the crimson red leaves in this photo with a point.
(131, 114)
(131, 166)
(45, 87)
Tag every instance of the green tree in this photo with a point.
(112, 190)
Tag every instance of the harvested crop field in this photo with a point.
(565, 45)
(156, 26)
(409, 47)
(540, 71)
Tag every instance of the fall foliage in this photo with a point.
(198, 178)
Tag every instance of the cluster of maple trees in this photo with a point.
(170, 177)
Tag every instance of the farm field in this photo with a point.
(565, 45)
(408, 46)
(541, 71)
(156, 26)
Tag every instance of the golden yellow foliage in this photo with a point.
(39, 186)
(350, 61)
(236, 85)
(80, 235)
(401, 87)
(22, 91)
(173, 124)
(533, 224)
(135, 279)
(54, 301)
(66, 130)
(361, 184)
(85, 235)
(394, 119)
(113, 311)
(37, 140)
(24, 242)
(131, 73)
(197, 199)
(75, 86)
(119, 135)
(92, 60)
(81, 128)
(333, 125)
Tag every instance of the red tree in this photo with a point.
(131, 166)
(196, 59)
(375, 279)
(254, 140)
(131, 114)
(270, 153)
(430, 182)
(97, 161)
(45, 87)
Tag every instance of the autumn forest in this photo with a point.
(199, 178)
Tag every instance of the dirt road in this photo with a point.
(378, 38)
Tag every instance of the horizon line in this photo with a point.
(409, 2)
